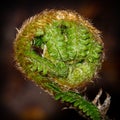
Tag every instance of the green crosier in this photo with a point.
(60, 51)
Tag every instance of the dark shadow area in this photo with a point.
(21, 99)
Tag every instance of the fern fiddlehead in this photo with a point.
(60, 51)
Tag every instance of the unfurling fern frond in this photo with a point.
(60, 51)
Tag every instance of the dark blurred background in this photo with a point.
(21, 99)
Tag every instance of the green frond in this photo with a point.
(80, 103)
